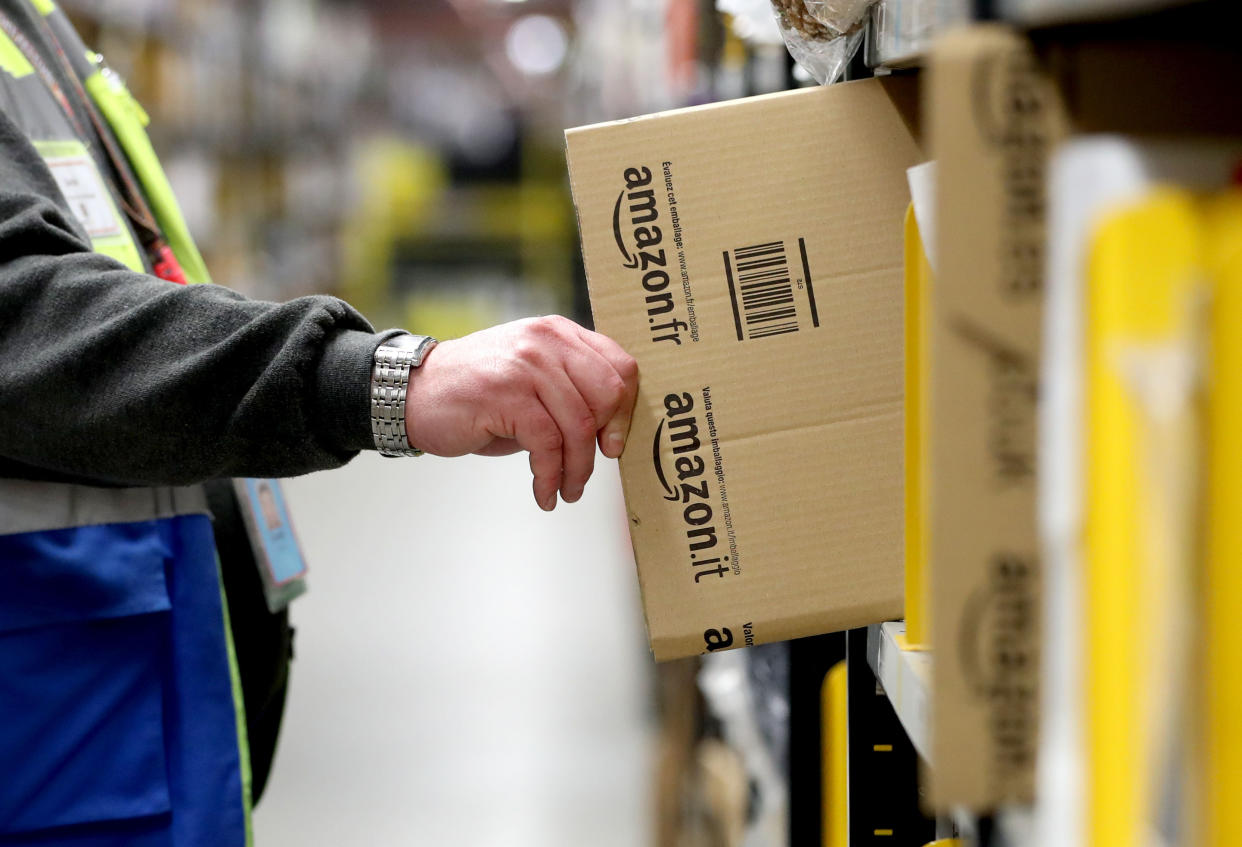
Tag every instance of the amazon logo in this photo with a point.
(685, 482)
(997, 654)
(636, 230)
(635, 217)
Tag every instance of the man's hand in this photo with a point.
(545, 385)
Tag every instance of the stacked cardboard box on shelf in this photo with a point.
(999, 107)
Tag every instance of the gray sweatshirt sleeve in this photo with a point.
(115, 377)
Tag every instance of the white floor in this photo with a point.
(470, 671)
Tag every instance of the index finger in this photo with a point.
(613, 434)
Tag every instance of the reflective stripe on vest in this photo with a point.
(32, 506)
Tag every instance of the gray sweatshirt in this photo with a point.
(113, 377)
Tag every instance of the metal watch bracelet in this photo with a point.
(390, 382)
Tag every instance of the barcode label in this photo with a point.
(762, 290)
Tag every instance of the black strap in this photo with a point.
(131, 195)
(263, 641)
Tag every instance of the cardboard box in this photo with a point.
(749, 255)
(993, 115)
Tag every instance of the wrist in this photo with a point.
(393, 363)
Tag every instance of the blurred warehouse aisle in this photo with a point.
(470, 671)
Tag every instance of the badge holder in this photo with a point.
(282, 567)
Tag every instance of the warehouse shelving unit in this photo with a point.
(901, 673)
(899, 32)
(905, 676)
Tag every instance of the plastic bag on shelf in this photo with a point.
(840, 15)
(822, 35)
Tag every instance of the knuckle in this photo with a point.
(529, 351)
(584, 427)
(614, 384)
(628, 368)
(548, 438)
(544, 327)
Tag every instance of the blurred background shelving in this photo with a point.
(409, 156)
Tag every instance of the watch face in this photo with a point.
(405, 341)
(420, 344)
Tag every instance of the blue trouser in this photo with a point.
(118, 723)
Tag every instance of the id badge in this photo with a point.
(276, 550)
(90, 201)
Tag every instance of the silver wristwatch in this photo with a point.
(390, 380)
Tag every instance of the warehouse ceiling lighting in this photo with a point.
(537, 44)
